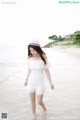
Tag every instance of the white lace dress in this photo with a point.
(37, 76)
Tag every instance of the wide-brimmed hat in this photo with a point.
(34, 43)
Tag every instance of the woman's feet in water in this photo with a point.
(33, 117)
(44, 114)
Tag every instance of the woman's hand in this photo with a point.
(52, 86)
(25, 83)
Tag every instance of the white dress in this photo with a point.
(37, 76)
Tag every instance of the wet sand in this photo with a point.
(63, 103)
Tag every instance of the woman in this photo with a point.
(37, 64)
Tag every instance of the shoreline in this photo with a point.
(72, 50)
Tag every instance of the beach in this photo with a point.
(63, 103)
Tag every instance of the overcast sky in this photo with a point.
(36, 19)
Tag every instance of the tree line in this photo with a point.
(75, 38)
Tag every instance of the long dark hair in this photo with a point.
(38, 50)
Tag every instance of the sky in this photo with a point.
(36, 19)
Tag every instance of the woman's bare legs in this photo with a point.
(33, 104)
(40, 102)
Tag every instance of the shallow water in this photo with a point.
(63, 103)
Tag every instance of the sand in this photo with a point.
(63, 103)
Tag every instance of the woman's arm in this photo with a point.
(28, 74)
(49, 78)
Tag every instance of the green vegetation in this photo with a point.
(76, 37)
(49, 44)
(60, 38)
(53, 37)
(67, 40)
(56, 38)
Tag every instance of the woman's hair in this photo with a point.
(38, 50)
